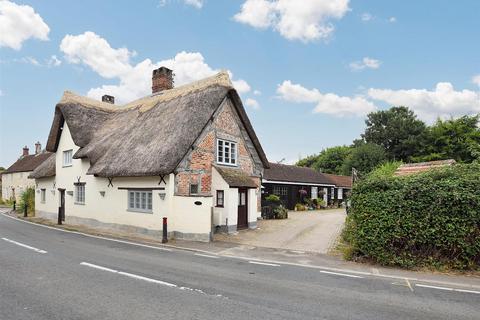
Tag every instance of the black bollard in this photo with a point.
(14, 205)
(165, 232)
(25, 210)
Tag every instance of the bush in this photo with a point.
(430, 219)
(273, 198)
(300, 207)
(280, 212)
(385, 170)
(27, 197)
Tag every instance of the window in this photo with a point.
(193, 188)
(314, 192)
(42, 195)
(242, 198)
(280, 190)
(140, 201)
(332, 194)
(67, 158)
(226, 152)
(340, 194)
(80, 193)
(220, 197)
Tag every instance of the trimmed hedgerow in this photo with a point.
(430, 219)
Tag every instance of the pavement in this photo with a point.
(312, 231)
(46, 273)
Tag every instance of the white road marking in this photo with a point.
(447, 289)
(264, 263)
(25, 246)
(206, 255)
(409, 285)
(91, 265)
(341, 274)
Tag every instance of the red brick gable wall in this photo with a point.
(196, 167)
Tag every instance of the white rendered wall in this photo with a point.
(17, 180)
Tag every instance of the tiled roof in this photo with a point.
(236, 178)
(28, 163)
(410, 168)
(341, 181)
(289, 173)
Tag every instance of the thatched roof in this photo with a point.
(236, 178)
(28, 163)
(289, 173)
(146, 137)
(46, 169)
(410, 168)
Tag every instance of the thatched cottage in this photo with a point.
(189, 154)
(14, 180)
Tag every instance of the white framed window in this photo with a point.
(280, 190)
(314, 192)
(226, 152)
(332, 194)
(67, 158)
(340, 194)
(140, 200)
(42, 195)
(80, 193)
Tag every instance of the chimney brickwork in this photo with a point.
(162, 79)
(38, 147)
(25, 151)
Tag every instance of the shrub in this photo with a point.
(385, 170)
(273, 198)
(300, 207)
(280, 212)
(430, 219)
(27, 197)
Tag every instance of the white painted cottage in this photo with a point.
(188, 154)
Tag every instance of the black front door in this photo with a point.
(61, 208)
(242, 221)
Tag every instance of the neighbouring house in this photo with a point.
(15, 179)
(188, 154)
(293, 184)
(411, 168)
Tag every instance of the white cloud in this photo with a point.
(54, 61)
(19, 23)
(365, 63)
(195, 3)
(392, 19)
(257, 92)
(134, 79)
(305, 20)
(252, 103)
(366, 17)
(1, 93)
(444, 101)
(328, 103)
(476, 79)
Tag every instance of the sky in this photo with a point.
(308, 71)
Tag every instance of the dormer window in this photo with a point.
(67, 158)
(226, 152)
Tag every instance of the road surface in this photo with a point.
(50, 274)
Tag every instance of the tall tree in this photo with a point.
(330, 160)
(457, 139)
(364, 158)
(397, 130)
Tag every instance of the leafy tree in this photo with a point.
(308, 161)
(397, 130)
(331, 160)
(364, 158)
(457, 139)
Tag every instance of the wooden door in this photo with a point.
(61, 208)
(242, 221)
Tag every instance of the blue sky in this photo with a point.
(308, 71)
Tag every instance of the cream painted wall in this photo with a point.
(220, 214)
(17, 180)
(182, 214)
(51, 203)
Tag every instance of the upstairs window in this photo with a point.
(67, 158)
(226, 152)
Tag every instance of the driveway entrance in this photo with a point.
(314, 231)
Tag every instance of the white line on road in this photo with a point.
(447, 289)
(264, 263)
(91, 265)
(341, 274)
(25, 246)
(206, 255)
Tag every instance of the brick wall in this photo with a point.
(196, 167)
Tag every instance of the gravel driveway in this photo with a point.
(314, 231)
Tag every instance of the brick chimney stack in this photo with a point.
(162, 79)
(25, 151)
(38, 147)
(108, 99)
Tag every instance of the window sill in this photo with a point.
(79, 203)
(66, 166)
(140, 211)
(219, 207)
(227, 164)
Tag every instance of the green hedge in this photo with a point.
(430, 219)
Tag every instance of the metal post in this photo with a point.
(14, 205)
(165, 231)
(25, 210)
(59, 216)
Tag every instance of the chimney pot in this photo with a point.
(162, 79)
(25, 151)
(38, 147)
(108, 99)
